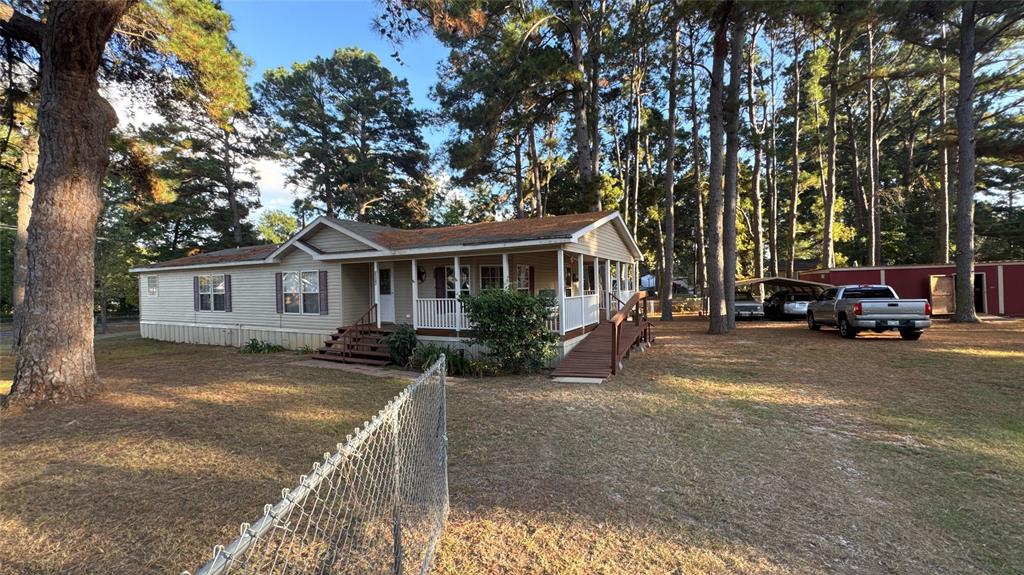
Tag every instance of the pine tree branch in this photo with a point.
(17, 26)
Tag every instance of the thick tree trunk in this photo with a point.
(668, 267)
(636, 161)
(698, 158)
(520, 197)
(828, 255)
(875, 232)
(594, 41)
(941, 254)
(579, 97)
(732, 148)
(756, 140)
(794, 198)
(26, 192)
(717, 312)
(55, 359)
(535, 172)
(966, 160)
(230, 190)
(773, 172)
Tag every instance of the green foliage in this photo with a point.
(259, 346)
(510, 325)
(355, 140)
(402, 342)
(425, 354)
(305, 350)
(276, 226)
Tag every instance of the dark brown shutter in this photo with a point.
(531, 280)
(279, 291)
(227, 292)
(195, 292)
(323, 292)
(440, 283)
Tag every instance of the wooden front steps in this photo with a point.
(363, 345)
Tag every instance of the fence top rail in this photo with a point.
(627, 308)
(223, 556)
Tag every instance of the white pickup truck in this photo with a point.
(877, 308)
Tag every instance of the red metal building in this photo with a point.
(998, 286)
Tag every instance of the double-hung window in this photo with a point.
(211, 293)
(301, 291)
(491, 277)
(450, 289)
(153, 285)
(523, 277)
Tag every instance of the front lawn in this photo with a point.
(773, 450)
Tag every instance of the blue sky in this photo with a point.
(279, 33)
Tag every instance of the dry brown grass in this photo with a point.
(773, 450)
(185, 443)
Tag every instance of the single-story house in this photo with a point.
(334, 274)
(998, 286)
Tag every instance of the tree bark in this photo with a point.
(718, 322)
(26, 192)
(773, 173)
(732, 148)
(520, 197)
(966, 161)
(794, 198)
(579, 96)
(698, 158)
(668, 267)
(828, 254)
(875, 232)
(55, 360)
(941, 254)
(756, 140)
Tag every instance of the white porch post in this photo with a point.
(505, 272)
(608, 289)
(458, 292)
(579, 274)
(376, 289)
(636, 276)
(415, 296)
(619, 280)
(560, 284)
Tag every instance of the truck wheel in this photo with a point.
(811, 324)
(845, 329)
(911, 334)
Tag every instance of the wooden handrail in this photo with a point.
(621, 316)
(357, 327)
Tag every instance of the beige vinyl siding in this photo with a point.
(356, 291)
(401, 285)
(330, 240)
(253, 296)
(545, 268)
(604, 242)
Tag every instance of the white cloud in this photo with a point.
(274, 194)
(133, 111)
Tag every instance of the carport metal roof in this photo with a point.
(789, 282)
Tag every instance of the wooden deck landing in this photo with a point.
(590, 360)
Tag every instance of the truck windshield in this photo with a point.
(868, 293)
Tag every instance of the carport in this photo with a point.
(801, 286)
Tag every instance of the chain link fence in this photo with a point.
(376, 505)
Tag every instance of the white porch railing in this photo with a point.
(592, 307)
(440, 313)
(575, 312)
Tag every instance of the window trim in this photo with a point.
(518, 284)
(285, 292)
(153, 290)
(480, 276)
(210, 283)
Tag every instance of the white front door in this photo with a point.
(385, 282)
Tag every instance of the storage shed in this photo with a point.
(998, 286)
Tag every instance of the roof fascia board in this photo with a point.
(442, 250)
(201, 266)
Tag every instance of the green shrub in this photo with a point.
(426, 354)
(260, 346)
(402, 342)
(510, 325)
(481, 368)
(305, 350)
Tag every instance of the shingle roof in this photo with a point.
(230, 255)
(549, 227)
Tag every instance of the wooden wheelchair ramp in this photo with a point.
(600, 354)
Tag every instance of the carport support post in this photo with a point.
(376, 291)
(505, 278)
(560, 284)
(415, 296)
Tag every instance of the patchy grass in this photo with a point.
(185, 443)
(772, 450)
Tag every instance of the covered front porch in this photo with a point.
(424, 292)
